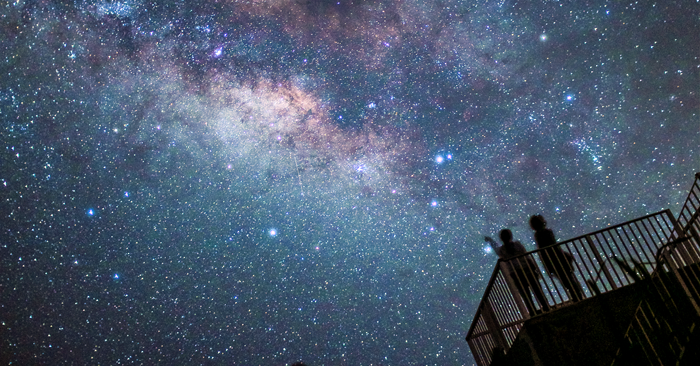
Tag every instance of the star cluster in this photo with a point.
(266, 182)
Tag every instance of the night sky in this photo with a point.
(263, 182)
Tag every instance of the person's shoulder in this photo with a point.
(519, 246)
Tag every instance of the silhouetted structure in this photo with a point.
(640, 300)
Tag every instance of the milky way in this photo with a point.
(266, 182)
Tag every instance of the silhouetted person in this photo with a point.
(557, 262)
(523, 271)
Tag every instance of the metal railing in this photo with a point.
(688, 218)
(666, 320)
(518, 289)
(665, 323)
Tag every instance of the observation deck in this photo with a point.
(639, 304)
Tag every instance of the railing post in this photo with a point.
(685, 254)
(602, 263)
(494, 328)
(514, 290)
(667, 255)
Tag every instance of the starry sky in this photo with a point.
(263, 182)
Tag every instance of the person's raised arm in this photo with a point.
(493, 244)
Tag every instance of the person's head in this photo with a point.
(537, 222)
(506, 236)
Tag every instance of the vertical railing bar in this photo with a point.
(578, 266)
(684, 254)
(501, 296)
(506, 300)
(686, 214)
(519, 301)
(612, 253)
(546, 253)
(651, 345)
(682, 278)
(631, 244)
(686, 207)
(496, 305)
(661, 238)
(489, 345)
(627, 245)
(690, 271)
(668, 295)
(662, 276)
(472, 346)
(541, 283)
(479, 327)
(683, 270)
(684, 286)
(641, 240)
(515, 278)
(656, 243)
(669, 228)
(649, 352)
(660, 242)
(494, 327)
(652, 241)
(651, 330)
(647, 237)
(693, 270)
(493, 296)
(525, 282)
(690, 252)
(591, 272)
(546, 291)
(484, 350)
(495, 308)
(631, 254)
(572, 296)
(604, 269)
(694, 248)
(550, 288)
(616, 251)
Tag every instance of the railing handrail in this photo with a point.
(592, 250)
(675, 323)
(494, 274)
(686, 208)
(559, 244)
(503, 307)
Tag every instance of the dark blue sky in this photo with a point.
(263, 182)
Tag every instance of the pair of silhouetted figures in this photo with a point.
(525, 273)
